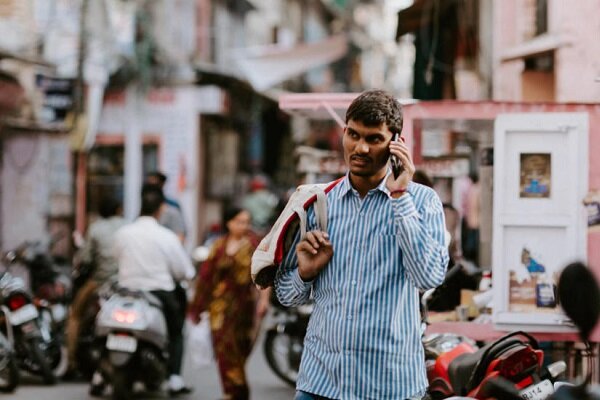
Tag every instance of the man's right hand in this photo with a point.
(314, 253)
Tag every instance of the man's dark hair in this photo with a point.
(108, 207)
(162, 178)
(152, 198)
(374, 107)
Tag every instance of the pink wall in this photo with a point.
(577, 64)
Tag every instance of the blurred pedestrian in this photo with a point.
(224, 289)
(421, 177)
(385, 241)
(471, 219)
(171, 216)
(151, 258)
(261, 203)
(452, 219)
(97, 254)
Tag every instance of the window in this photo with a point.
(541, 17)
(537, 79)
(105, 172)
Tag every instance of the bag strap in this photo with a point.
(320, 206)
(321, 210)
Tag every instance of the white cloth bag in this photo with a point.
(200, 343)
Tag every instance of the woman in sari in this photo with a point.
(224, 288)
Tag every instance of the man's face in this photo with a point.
(366, 148)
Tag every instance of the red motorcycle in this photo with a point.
(515, 357)
(457, 367)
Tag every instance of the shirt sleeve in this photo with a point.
(180, 263)
(421, 233)
(290, 289)
(172, 218)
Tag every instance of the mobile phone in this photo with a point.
(397, 166)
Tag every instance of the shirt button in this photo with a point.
(354, 283)
(349, 317)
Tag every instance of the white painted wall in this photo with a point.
(173, 115)
(36, 183)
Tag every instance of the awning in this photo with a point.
(25, 59)
(541, 44)
(267, 66)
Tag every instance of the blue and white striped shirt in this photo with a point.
(364, 338)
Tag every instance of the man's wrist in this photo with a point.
(397, 193)
(304, 278)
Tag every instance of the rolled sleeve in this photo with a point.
(404, 206)
(290, 289)
(421, 235)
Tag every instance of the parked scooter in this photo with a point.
(28, 331)
(284, 340)
(133, 329)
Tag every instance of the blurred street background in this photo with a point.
(239, 101)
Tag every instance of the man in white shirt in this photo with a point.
(152, 258)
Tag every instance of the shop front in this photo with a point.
(537, 181)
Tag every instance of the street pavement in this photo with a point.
(264, 385)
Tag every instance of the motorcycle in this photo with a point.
(284, 340)
(457, 367)
(132, 327)
(9, 371)
(579, 296)
(27, 329)
(50, 281)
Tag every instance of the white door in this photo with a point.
(540, 180)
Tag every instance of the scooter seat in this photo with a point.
(149, 297)
(153, 300)
(462, 367)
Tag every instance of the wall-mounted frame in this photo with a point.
(540, 180)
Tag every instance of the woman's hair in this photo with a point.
(230, 213)
(374, 107)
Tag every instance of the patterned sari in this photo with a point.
(224, 288)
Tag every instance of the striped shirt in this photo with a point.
(364, 338)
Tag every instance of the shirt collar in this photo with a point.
(146, 219)
(346, 186)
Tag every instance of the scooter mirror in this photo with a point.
(579, 296)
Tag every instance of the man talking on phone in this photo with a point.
(385, 241)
